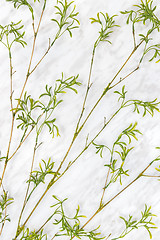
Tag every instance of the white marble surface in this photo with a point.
(83, 182)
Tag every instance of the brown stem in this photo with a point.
(40, 60)
(104, 189)
(122, 79)
(13, 116)
(54, 236)
(88, 87)
(152, 176)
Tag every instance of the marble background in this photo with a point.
(83, 182)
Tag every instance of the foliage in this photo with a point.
(145, 221)
(145, 13)
(10, 34)
(4, 203)
(70, 226)
(67, 18)
(28, 106)
(120, 149)
(19, 3)
(107, 23)
(147, 106)
(38, 176)
(27, 235)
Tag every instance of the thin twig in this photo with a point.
(152, 176)
(54, 236)
(13, 116)
(104, 189)
(26, 195)
(122, 79)
(21, 144)
(88, 87)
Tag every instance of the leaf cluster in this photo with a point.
(19, 3)
(122, 95)
(11, 33)
(61, 86)
(46, 103)
(27, 235)
(38, 176)
(145, 12)
(153, 48)
(67, 17)
(150, 106)
(70, 226)
(4, 203)
(119, 150)
(107, 23)
(147, 106)
(145, 221)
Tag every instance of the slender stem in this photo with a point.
(108, 236)
(13, 115)
(126, 61)
(20, 144)
(122, 79)
(104, 189)
(11, 82)
(88, 86)
(48, 49)
(152, 176)
(30, 62)
(40, 60)
(26, 195)
(43, 225)
(54, 236)
(134, 36)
